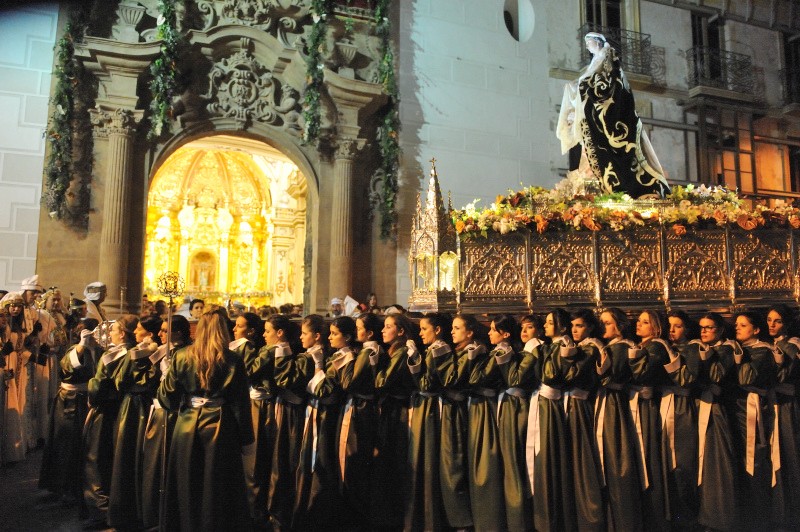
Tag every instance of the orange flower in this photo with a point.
(679, 229)
(567, 215)
(590, 224)
(499, 199)
(720, 217)
(460, 226)
(541, 223)
(794, 221)
(747, 222)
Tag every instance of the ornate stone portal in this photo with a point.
(244, 74)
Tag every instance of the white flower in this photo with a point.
(60, 109)
(161, 20)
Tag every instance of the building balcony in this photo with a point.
(634, 49)
(720, 74)
(791, 91)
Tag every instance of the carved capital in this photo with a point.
(347, 148)
(114, 122)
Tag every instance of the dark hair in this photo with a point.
(347, 326)
(152, 324)
(257, 325)
(624, 325)
(506, 323)
(536, 321)
(789, 318)
(191, 305)
(443, 321)
(317, 324)
(589, 318)
(372, 323)
(561, 321)
(689, 324)
(291, 331)
(723, 327)
(757, 320)
(180, 325)
(480, 333)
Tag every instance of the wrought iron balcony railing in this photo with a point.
(710, 67)
(791, 85)
(633, 48)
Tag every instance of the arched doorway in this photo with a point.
(229, 215)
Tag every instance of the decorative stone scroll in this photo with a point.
(281, 18)
(243, 89)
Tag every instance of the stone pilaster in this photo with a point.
(342, 218)
(119, 128)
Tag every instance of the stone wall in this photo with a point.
(26, 58)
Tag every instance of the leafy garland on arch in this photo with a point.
(60, 167)
(388, 138)
(320, 9)
(164, 71)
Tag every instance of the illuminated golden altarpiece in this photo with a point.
(725, 269)
(231, 222)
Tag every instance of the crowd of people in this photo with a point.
(564, 421)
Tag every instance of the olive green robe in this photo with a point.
(786, 490)
(205, 476)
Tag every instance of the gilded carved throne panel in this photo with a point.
(630, 265)
(495, 270)
(561, 267)
(697, 265)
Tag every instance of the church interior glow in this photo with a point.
(229, 215)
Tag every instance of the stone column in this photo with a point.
(342, 219)
(119, 128)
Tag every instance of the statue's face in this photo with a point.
(592, 44)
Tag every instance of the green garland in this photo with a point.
(164, 70)
(320, 9)
(388, 138)
(59, 167)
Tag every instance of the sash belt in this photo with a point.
(83, 387)
(533, 443)
(707, 398)
(260, 394)
(643, 392)
(205, 402)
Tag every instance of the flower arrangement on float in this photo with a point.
(570, 207)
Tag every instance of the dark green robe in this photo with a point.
(260, 367)
(136, 384)
(679, 450)
(786, 491)
(61, 461)
(519, 377)
(649, 376)
(484, 463)
(425, 507)
(291, 379)
(453, 443)
(99, 433)
(156, 443)
(389, 479)
(319, 503)
(757, 373)
(580, 379)
(618, 440)
(553, 495)
(717, 487)
(205, 477)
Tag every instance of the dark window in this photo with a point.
(791, 73)
(794, 168)
(604, 13)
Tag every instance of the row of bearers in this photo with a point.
(578, 426)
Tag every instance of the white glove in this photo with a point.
(87, 338)
(532, 344)
(319, 356)
(412, 348)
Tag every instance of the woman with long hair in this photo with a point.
(99, 432)
(617, 441)
(580, 379)
(161, 424)
(717, 481)
(782, 326)
(512, 418)
(15, 379)
(393, 385)
(136, 385)
(425, 510)
(648, 362)
(679, 417)
(207, 385)
(757, 365)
